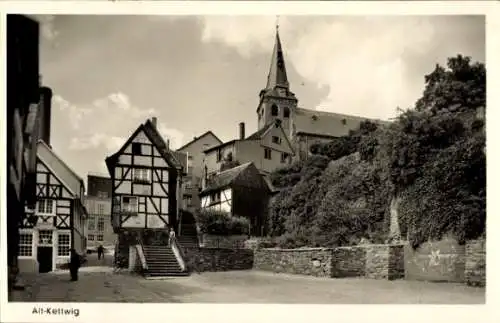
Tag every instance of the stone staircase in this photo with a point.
(188, 241)
(161, 262)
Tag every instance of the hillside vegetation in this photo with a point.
(431, 159)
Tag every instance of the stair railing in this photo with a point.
(140, 252)
(178, 252)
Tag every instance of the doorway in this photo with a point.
(44, 258)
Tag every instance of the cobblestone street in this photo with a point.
(100, 284)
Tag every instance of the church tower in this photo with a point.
(277, 102)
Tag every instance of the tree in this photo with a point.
(460, 87)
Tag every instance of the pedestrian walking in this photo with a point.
(74, 265)
(171, 236)
(100, 252)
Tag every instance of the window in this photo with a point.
(276, 140)
(136, 148)
(45, 237)
(63, 244)
(188, 184)
(91, 223)
(189, 201)
(26, 245)
(286, 113)
(46, 206)
(267, 153)
(100, 238)
(141, 175)
(100, 209)
(190, 161)
(219, 155)
(284, 157)
(129, 204)
(100, 223)
(274, 110)
(91, 237)
(344, 122)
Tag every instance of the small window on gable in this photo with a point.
(286, 113)
(136, 148)
(276, 140)
(46, 206)
(274, 110)
(267, 153)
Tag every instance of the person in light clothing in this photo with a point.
(171, 236)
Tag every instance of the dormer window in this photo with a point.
(344, 122)
(136, 148)
(286, 113)
(274, 110)
(276, 140)
(314, 117)
(141, 175)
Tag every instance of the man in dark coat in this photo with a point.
(100, 252)
(74, 265)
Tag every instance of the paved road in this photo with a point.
(100, 284)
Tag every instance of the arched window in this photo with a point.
(286, 112)
(274, 110)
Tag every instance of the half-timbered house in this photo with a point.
(146, 192)
(239, 191)
(58, 222)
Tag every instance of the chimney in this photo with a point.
(242, 130)
(153, 121)
(168, 143)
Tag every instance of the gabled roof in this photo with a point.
(259, 134)
(225, 178)
(53, 153)
(325, 124)
(198, 138)
(227, 143)
(156, 139)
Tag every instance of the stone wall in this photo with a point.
(217, 259)
(475, 262)
(372, 261)
(442, 260)
(224, 242)
(310, 261)
(348, 262)
(385, 261)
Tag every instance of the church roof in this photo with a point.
(277, 72)
(327, 124)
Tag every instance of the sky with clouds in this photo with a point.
(199, 73)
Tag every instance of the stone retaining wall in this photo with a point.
(310, 261)
(475, 262)
(372, 261)
(218, 259)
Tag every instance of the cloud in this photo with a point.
(47, 27)
(107, 122)
(366, 62)
(174, 136)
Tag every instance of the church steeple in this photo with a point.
(276, 101)
(277, 71)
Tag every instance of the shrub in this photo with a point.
(221, 223)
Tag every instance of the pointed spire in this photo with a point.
(277, 71)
